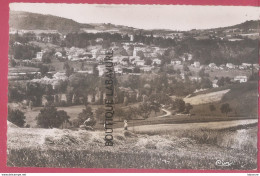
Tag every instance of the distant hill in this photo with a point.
(33, 21)
(252, 24)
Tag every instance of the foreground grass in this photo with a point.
(90, 159)
(180, 149)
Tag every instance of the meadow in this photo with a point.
(188, 148)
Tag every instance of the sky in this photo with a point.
(174, 17)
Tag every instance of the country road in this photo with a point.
(165, 115)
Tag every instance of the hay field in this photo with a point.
(175, 149)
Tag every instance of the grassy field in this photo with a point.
(242, 98)
(206, 98)
(73, 112)
(179, 149)
(22, 69)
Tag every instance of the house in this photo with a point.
(256, 66)
(241, 79)
(59, 76)
(124, 61)
(101, 69)
(195, 78)
(94, 53)
(47, 39)
(131, 38)
(118, 69)
(188, 56)
(242, 67)
(146, 68)
(140, 62)
(212, 65)
(157, 61)
(182, 75)
(215, 83)
(133, 59)
(196, 64)
(175, 62)
(58, 54)
(246, 64)
(230, 66)
(99, 40)
(39, 55)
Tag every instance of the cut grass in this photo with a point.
(181, 149)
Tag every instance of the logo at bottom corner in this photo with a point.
(223, 163)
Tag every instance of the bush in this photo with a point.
(16, 117)
(49, 117)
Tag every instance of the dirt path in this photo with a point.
(165, 115)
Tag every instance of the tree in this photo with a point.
(131, 112)
(212, 108)
(63, 116)
(202, 73)
(68, 70)
(206, 83)
(44, 69)
(16, 117)
(140, 54)
(148, 61)
(188, 107)
(47, 57)
(185, 68)
(126, 101)
(101, 100)
(86, 114)
(100, 114)
(225, 108)
(179, 105)
(161, 98)
(119, 112)
(49, 117)
(145, 110)
(221, 82)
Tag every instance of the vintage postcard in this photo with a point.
(133, 86)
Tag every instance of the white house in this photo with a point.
(246, 64)
(196, 64)
(124, 61)
(58, 54)
(212, 65)
(39, 55)
(157, 61)
(241, 79)
(139, 62)
(94, 53)
(175, 62)
(133, 59)
(146, 68)
(131, 38)
(195, 78)
(215, 83)
(230, 66)
(98, 40)
(101, 69)
(118, 69)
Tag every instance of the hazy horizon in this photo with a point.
(171, 17)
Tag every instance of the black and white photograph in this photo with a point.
(133, 86)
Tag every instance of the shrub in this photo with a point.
(16, 117)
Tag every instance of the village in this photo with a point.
(140, 97)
